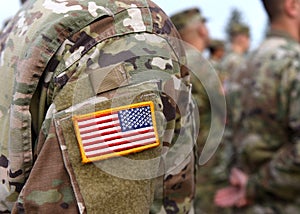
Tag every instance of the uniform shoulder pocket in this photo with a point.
(111, 144)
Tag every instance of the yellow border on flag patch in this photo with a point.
(85, 159)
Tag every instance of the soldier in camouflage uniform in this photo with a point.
(266, 136)
(69, 57)
(233, 61)
(236, 55)
(191, 26)
(216, 50)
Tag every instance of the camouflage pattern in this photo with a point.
(233, 60)
(50, 52)
(213, 174)
(215, 64)
(266, 137)
(230, 66)
(209, 98)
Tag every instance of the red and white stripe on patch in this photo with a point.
(116, 131)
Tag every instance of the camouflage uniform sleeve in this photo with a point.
(209, 97)
(203, 104)
(70, 44)
(280, 175)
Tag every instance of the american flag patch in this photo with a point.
(117, 131)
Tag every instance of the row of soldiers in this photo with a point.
(256, 166)
(66, 58)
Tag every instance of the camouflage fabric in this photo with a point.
(209, 98)
(229, 66)
(267, 130)
(216, 65)
(234, 60)
(51, 54)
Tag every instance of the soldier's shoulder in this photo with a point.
(232, 58)
(279, 48)
(275, 54)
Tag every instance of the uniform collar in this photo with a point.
(279, 33)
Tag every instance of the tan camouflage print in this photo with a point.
(216, 65)
(230, 65)
(229, 69)
(209, 98)
(51, 51)
(267, 96)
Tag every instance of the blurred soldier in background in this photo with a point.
(216, 50)
(232, 62)
(60, 59)
(267, 128)
(193, 30)
(239, 36)
(191, 25)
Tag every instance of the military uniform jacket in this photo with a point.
(63, 58)
(267, 135)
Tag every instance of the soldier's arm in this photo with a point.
(280, 176)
